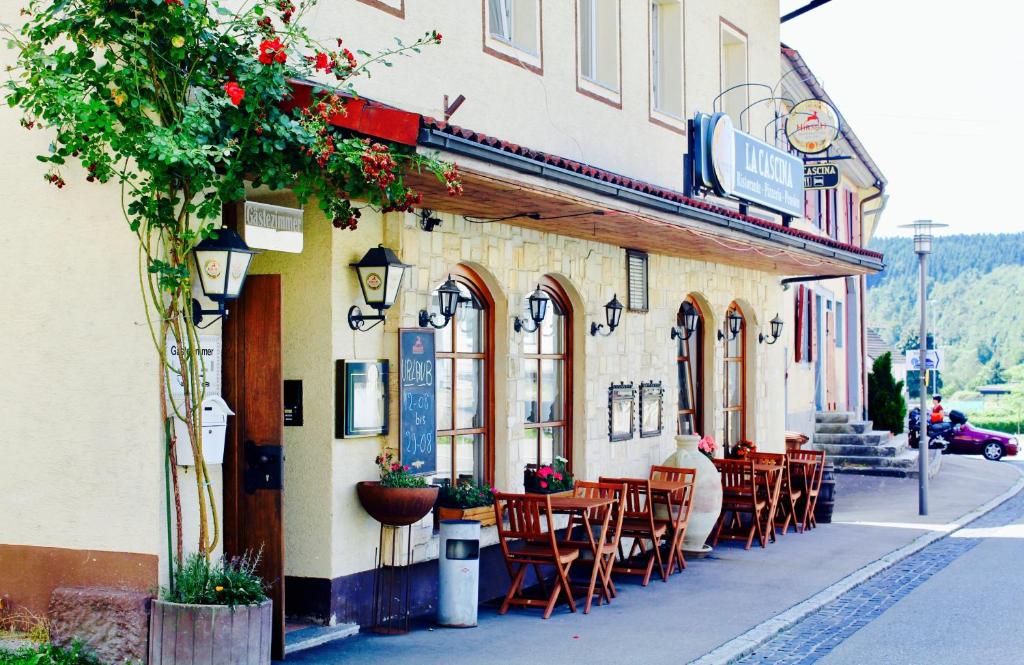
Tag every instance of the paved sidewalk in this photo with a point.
(715, 599)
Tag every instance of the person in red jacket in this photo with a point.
(938, 414)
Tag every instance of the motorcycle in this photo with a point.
(960, 437)
(939, 434)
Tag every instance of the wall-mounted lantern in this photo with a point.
(222, 264)
(690, 319)
(380, 275)
(612, 315)
(776, 332)
(448, 297)
(735, 323)
(538, 310)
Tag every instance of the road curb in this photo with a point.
(749, 641)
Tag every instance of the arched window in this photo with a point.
(465, 384)
(735, 377)
(547, 358)
(690, 361)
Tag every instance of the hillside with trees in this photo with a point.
(975, 301)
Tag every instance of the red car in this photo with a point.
(959, 437)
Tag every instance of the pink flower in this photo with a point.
(395, 466)
(544, 471)
(543, 484)
(405, 468)
(556, 475)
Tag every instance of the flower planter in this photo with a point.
(211, 634)
(396, 506)
(707, 494)
(483, 514)
(540, 490)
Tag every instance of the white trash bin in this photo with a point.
(459, 570)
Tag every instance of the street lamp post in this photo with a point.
(922, 247)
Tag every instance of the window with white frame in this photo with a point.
(513, 27)
(667, 58)
(734, 73)
(598, 29)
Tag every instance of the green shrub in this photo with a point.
(886, 406)
(49, 654)
(225, 582)
(1008, 424)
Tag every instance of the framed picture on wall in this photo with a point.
(361, 398)
(651, 394)
(621, 415)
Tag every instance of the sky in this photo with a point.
(933, 89)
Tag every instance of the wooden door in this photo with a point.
(830, 361)
(253, 388)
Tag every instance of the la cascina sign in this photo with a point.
(736, 165)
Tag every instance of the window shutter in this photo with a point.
(636, 277)
(810, 327)
(799, 319)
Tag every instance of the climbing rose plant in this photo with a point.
(181, 103)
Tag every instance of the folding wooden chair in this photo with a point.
(605, 525)
(638, 523)
(794, 487)
(740, 495)
(529, 520)
(678, 504)
(772, 467)
(813, 470)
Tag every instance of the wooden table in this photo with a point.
(582, 506)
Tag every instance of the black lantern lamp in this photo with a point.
(538, 310)
(222, 264)
(380, 275)
(612, 315)
(449, 297)
(735, 322)
(776, 324)
(690, 319)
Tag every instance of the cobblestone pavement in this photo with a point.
(819, 633)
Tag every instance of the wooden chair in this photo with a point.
(678, 505)
(740, 494)
(794, 487)
(603, 541)
(772, 467)
(638, 523)
(529, 520)
(812, 470)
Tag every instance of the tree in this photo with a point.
(996, 376)
(181, 103)
(886, 406)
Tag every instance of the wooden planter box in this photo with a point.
(483, 514)
(210, 634)
(538, 490)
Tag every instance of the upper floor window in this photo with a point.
(599, 46)
(733, 42)
(667, 58)
(515, 22)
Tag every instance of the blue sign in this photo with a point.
(747, 169)
(417, 399)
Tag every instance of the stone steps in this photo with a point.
(866, 439)
(902, 466)
(853, 446)
(844, 428)
(835, 417)
(854, 450)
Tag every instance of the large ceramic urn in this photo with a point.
(707, 493)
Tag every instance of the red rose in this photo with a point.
(437, 36)
(235, 92)
(321, 61)
(271, 50)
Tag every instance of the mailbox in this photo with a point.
(215, 412)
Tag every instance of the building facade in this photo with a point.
(571, 139)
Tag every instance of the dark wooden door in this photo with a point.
(253, 512)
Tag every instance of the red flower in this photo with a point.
(436, 36)
(321, 61)
(556, 475)
(543, 484)
(272, 50)
(235, 92)
(174, 3)
(395, 466)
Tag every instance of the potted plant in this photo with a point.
(467, 500)
(745, 448)
(205, 606)
(551, 478)
(400, 497)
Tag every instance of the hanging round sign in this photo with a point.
(723, 154)
(812, 126)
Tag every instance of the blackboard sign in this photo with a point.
(417, 397)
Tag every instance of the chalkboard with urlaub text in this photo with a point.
(417, 399)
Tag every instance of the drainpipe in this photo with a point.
(880, 187)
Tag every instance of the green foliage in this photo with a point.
(466, 494)
(49, 654)
(974, 303)
(226, 582)
(1006, 423)
(886, 406)
(395, 474)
